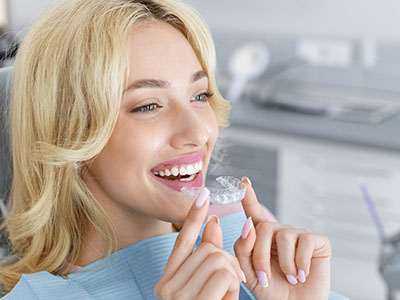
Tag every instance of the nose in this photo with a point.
(191, 128)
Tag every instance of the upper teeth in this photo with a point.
(182, 170)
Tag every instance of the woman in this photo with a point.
(111, 99)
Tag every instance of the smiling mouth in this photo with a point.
(179, 177)
(182, 173)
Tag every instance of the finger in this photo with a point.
(262, 251)
(251, 206)
(188, 235)
(221, 285)
(243, 249)
(286, 241)
(310, 245)
(212, 232)
(214, 263)
(204, 252)
(304, 253)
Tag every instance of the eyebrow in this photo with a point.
(156, 83)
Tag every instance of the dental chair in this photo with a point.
(5, 155)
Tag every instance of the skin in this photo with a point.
(271, 247)
(120, 176)
(120, 179)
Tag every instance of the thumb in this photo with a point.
(212, 232)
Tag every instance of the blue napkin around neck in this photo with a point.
(130, 273)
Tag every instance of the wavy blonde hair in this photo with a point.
(69, 76)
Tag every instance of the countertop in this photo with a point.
(383, 77)
(383, 136)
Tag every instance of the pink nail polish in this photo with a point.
(291, 279)
(302, 276)
(262, 278)
(213, 217)
(247, 227)
(202, 197)
(247, 179)
(243, 276)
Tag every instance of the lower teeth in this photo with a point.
(191, 177)
(179, 177)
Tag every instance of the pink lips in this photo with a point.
(188, 159)
(177, 184)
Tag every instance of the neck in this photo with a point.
(127, 233)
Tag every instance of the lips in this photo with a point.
(187, 159)
(181, 172)
(177, 185)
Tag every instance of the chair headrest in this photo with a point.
(6, 75)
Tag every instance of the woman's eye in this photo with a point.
(146, 108)
(203, 97)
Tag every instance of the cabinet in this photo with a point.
(317, 189)
(242, 159)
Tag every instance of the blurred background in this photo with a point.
(315, 93)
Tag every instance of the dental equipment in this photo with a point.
(372, 209)
(389, 262)
(233, 191)
(247, 62)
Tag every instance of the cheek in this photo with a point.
(130, 152)
(121, 168)
(213, 127)
(135, 146)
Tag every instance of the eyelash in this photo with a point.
(207, 96)
(148, 108)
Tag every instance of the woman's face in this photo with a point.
(165, 126)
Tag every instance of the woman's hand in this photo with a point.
(281, 262)
(208, 273)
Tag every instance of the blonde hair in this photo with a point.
(68, 81)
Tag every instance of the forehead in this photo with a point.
(158, 50)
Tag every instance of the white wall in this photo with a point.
(376, 19)
(3, 15)
(22, 13)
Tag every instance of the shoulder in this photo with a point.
(43, 285)
(21, 290)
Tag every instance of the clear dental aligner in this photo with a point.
(233, 191)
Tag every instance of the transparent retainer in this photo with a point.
(233, 191)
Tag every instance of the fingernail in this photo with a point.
(243, 276)
(247, 227)
(302, 276)
(213, 217)
(202, 197)
(246, 179)
(262, 278)
(291, 279)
